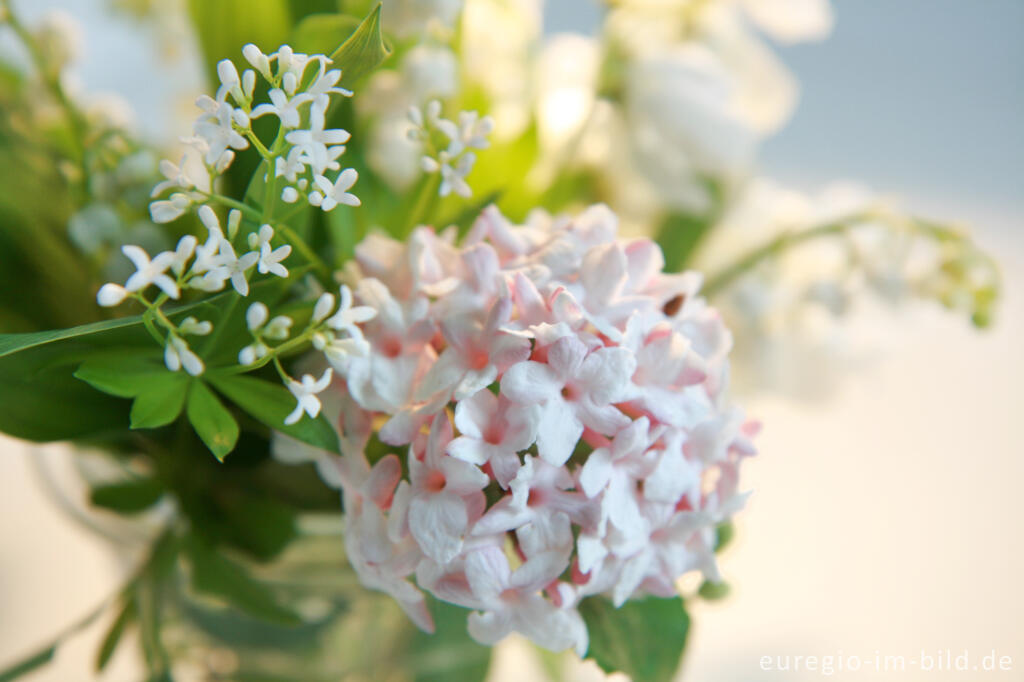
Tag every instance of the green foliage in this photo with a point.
(28, 664)
(270, 403)
(216, 575)
(714, 591)
(211, 420)
(363, 51)
(679, 235)
(224, 26)
(114, 634)
(128, 497)
(644, 639)
(449, 654)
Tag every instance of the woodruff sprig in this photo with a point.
(301, 155)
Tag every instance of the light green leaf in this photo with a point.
(270, 403)
(216, 575)
(124, 374)
(449, 654)
(363, 51)
(323, 33)
(643, 639)
(679, 235)
(211, 420)
(128, 497)
(224, 26)
(160, 403)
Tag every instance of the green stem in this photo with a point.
(423, 206)
(725, 277)
(233, 203)
(307, 252)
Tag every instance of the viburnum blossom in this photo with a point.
(561, 403)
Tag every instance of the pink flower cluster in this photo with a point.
(592, 450)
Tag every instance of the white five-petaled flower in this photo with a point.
(269, 259)
(320, 148)
(305, 393)
(150, 271)
(327, 195)
(284, 107)
(217, 128)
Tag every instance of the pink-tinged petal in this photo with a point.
(443, 375)
(488, 572)
(418, 613)
(596, 472)
(522, 421)
(552, 628)
(437, 443)
(507, 349)
(603, 273)
(549, 531)
(633, 572)
(462, 477)
(398, 515)
(565, 356)
(672, 477)
(505, 464)
(539, 571)
(531, 382)
(470, 450)
(473, 414)
(384, 476)
(532, 309)
(606, 419)
(504, 515)
(489, 627)
(558, 432)
(606, 372)
(474, 381)
(644, 262)
(438, 523)
(633, 439)
(591, 551)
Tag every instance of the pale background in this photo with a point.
(886, 518)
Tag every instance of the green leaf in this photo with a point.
(128, 497)
(713, 591)
(224, 26)
(363, 51)
(679, 235)
(160, 403)
(216, 575)
(270, 403)
(124, 374)
(450, 654)
(323, 33)
(643, 639)
(211, 420)
(27, 665)
(114, 634)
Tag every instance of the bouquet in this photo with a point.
(424, 336)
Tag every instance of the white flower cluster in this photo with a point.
(593, 449)
(303, 153)
(205, 267)
(455, 160)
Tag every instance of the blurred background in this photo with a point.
(885, 517)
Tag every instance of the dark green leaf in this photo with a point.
(216, 575)
(128, 497)
(643, 639)
(161, 401)
(114, 634)
(363, 51)
(27, 665)
(724, 533)
(270, 403)
(450, 654)
(211, 420)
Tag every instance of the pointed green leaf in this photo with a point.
(161, 401)
(270, 403)
(114, 634)
(216, 575)
(211, 420)
(363, 51)
(643, 639)
(128, 497)
(224, 26)
(27, 665)
(124, 374)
